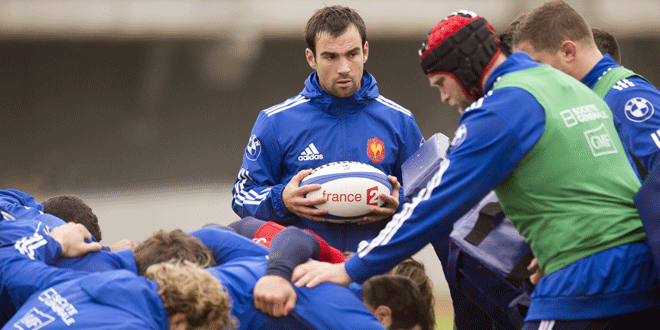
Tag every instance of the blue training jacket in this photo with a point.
(60, 298)
(15, 231)
(494, 134)
(635, 104)
(241, 263)
(315, 128)
(19, 205)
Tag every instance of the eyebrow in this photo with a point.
(437, 82)
(348, 52)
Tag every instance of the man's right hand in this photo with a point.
(71, 237)
(274, 295)
(294, 199)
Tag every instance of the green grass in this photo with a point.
(444, 321)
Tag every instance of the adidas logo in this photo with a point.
(310, 153)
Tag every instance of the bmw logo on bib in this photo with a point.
(638, 109)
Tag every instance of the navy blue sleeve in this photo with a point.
(492, 138)
(247, 226)
(290, 248)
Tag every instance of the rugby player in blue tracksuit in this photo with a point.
(243, 263)
(16, 204)
(59, 298)
(633, 100)
(567, 192)
(321, 126)
(20, 216)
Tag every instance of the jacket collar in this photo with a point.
(515, 62)
(605, 64)
(334, 105)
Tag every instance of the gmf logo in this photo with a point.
(600, 141)
(376, 150)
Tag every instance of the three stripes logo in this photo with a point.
(310, 153)
(27, 245)
(6, 216)
(656, 138)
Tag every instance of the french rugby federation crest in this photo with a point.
(376, 150)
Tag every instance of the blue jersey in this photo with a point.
(315, 128)
(242, 262)
(24, 234)
(494, 134)
(17, 205)
(59, 298)
(633, 101)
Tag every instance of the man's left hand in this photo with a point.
(312, 273)
(389, 207)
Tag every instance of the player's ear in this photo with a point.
(568, 50)
(309, 54)
(384, 315)
(178, 322)
(366, 51)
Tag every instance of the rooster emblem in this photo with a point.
(376, 150)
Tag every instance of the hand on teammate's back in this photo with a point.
(312, 273)
(274, 295)
(71, 237)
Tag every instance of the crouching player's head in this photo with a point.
(163, 246)
(192, 297)
(397, 302)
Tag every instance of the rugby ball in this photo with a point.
(349, 188)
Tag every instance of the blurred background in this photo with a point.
(143, 108)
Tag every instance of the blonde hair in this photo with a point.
(186, 288)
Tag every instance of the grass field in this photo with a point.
(444, 322)
(444, 313)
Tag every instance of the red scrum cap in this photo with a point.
(462, 45)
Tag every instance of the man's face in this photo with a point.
(552, 59)
(339, 62)
(450, 91)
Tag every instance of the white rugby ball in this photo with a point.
(350, 189)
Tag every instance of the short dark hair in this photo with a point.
(402, 296)
(334, 20)
(607, 44)
(548, 25)
(506, 38)
(164, 246)
(416, 271)
(73, 209)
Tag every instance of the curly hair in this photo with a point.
(186, 288)
(73, 209)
